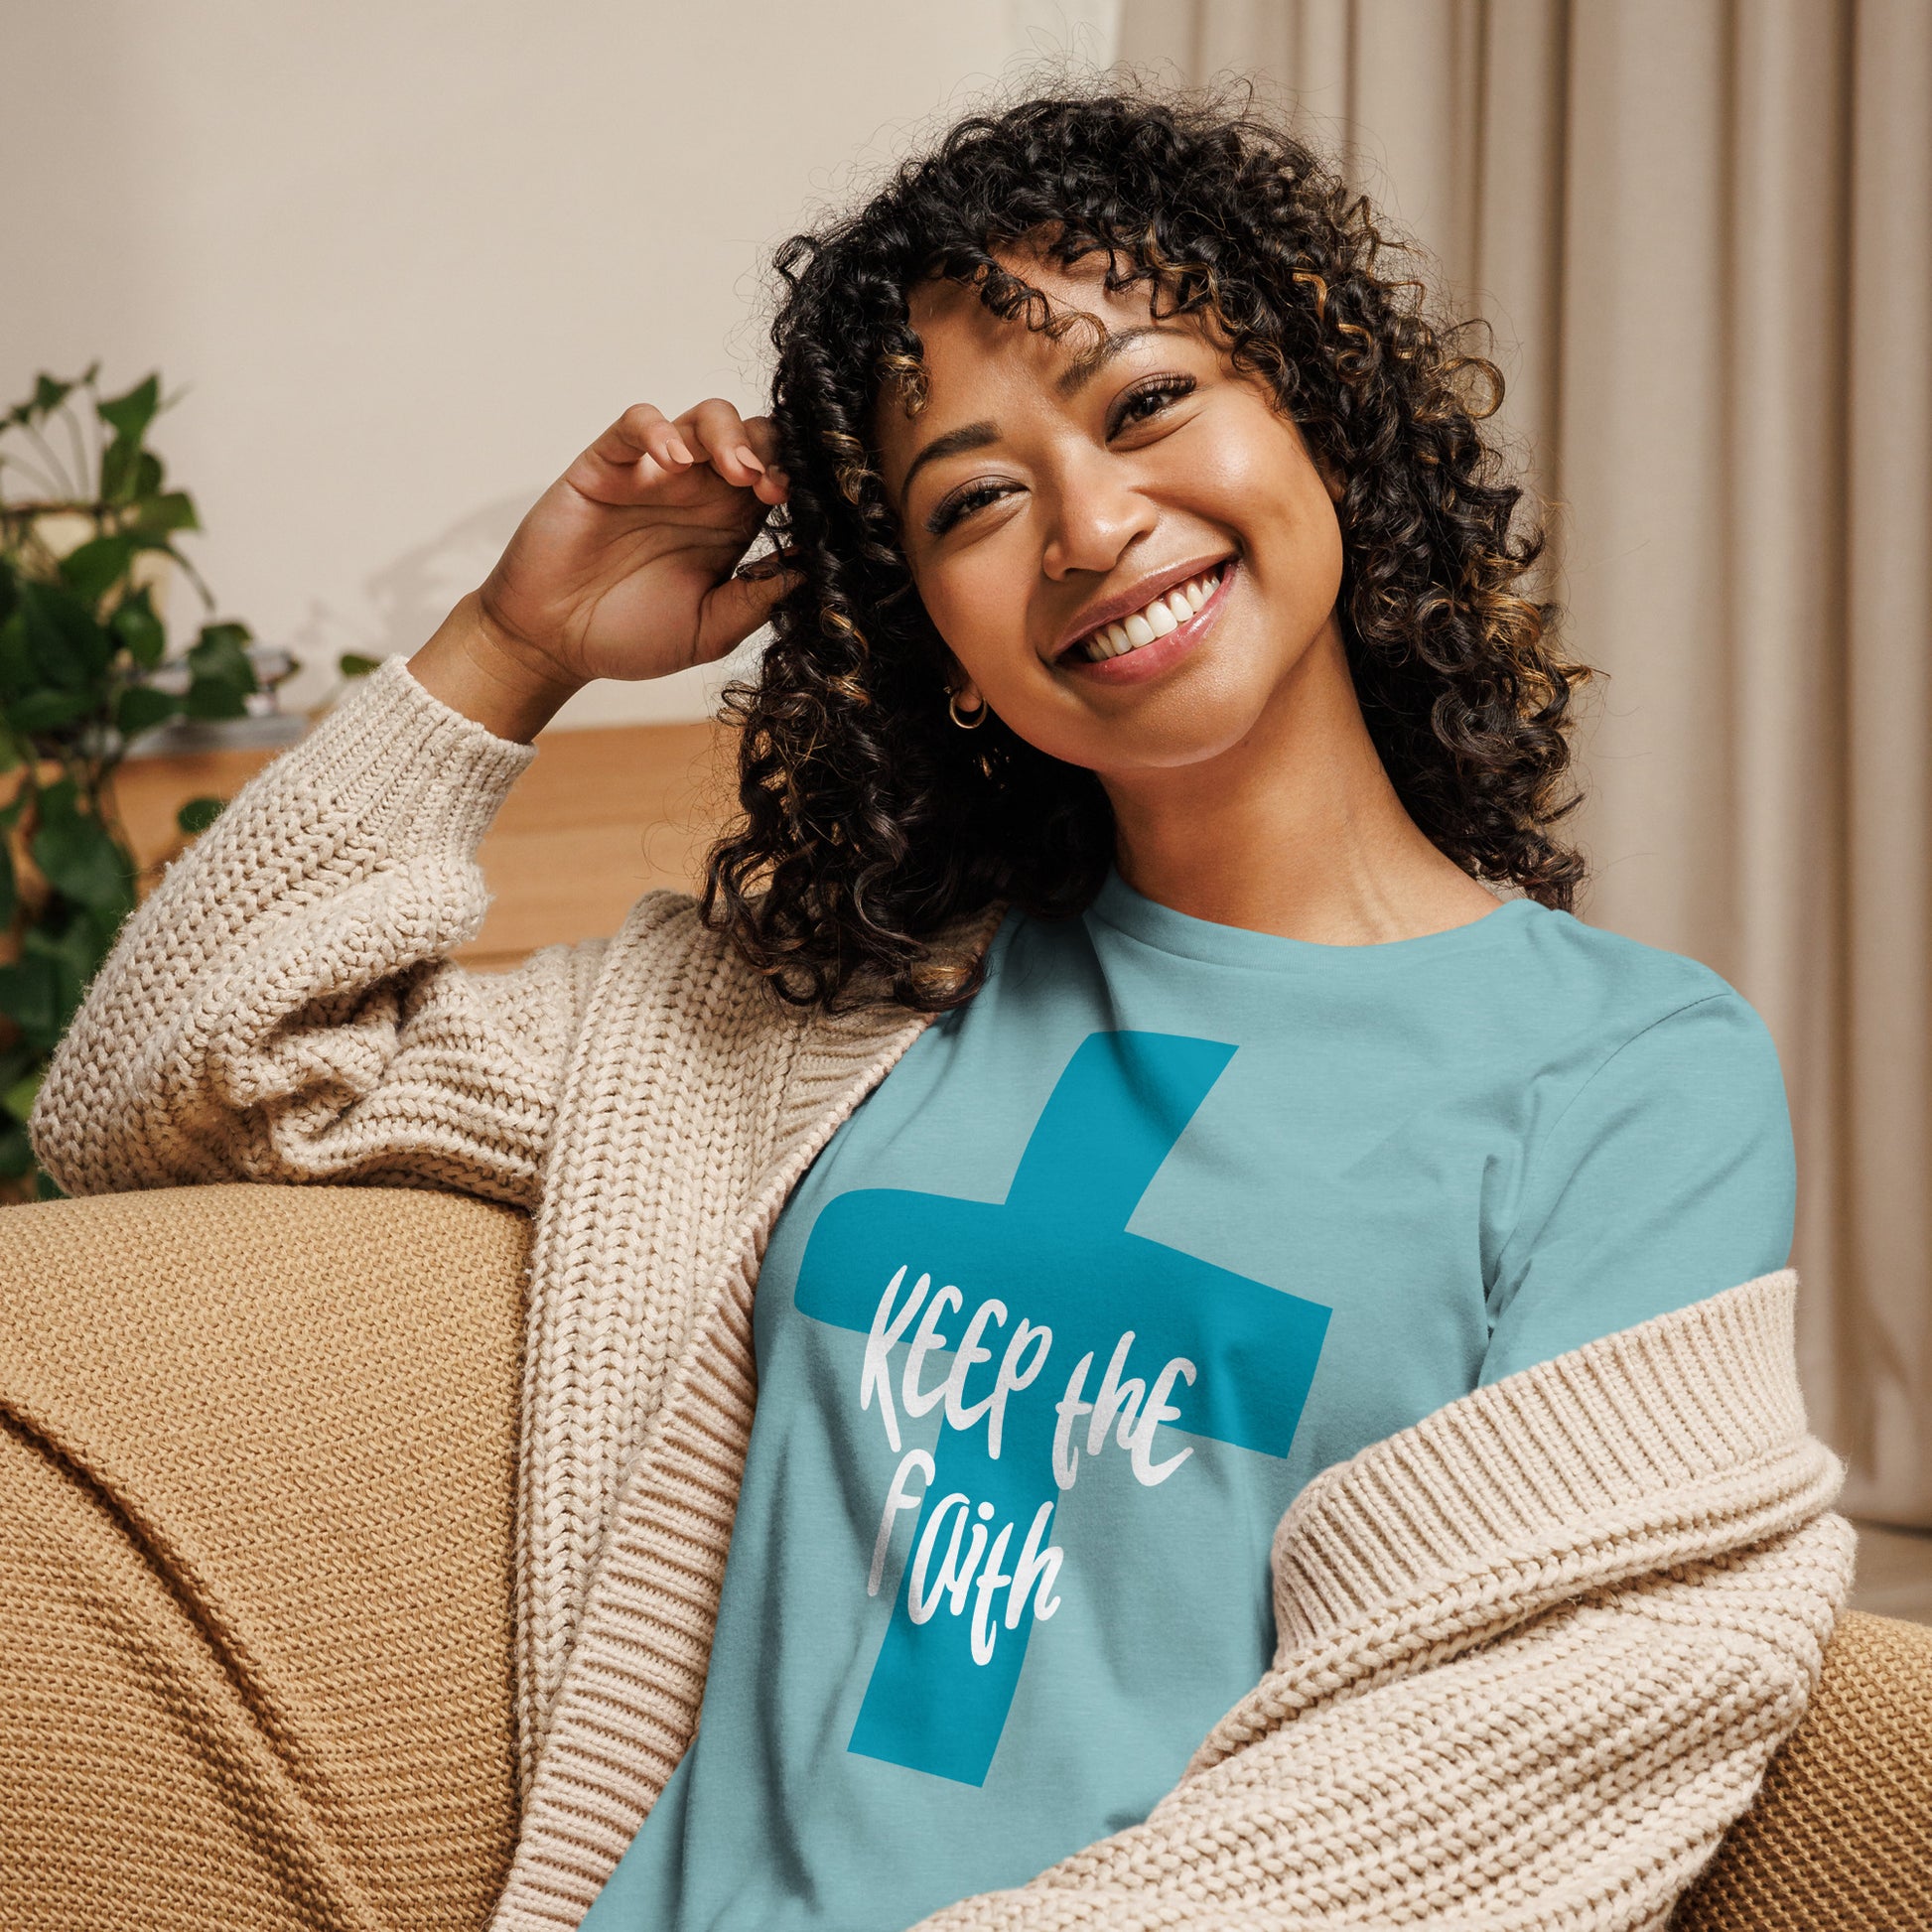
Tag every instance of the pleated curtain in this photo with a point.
(1702, 232)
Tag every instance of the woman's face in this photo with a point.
(1048, 486)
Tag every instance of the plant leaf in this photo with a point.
(129, 415)
(70, 648)
(199, 814)
(17, 671)
(92, 569)
(222, 651)
(173, 511)
(16, 1153)
(136, 625)
(93, 935)
(79, 857)
(47, 711)
(31, 997)
(224, 677)
(66, 960)
(353, 664)
(120, 471)
(212, 698)
(17, 1099)
(73, 946)
(9, 891)
(141, 707)
(48, 394)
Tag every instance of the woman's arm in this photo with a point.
(282, 1006)
(281, 1009)
(1535, 1653)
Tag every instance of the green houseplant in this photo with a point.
(87, 530)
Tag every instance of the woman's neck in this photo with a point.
(1294, 830)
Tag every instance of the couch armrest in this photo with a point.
(257, 1482)
(1840, 1835)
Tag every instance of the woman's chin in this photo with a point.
(1170, 739)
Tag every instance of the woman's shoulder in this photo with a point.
(1608, 1027)
(1659, 1164)
(1622, 987)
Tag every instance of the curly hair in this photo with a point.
(868, 823)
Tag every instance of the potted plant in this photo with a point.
(87, 530)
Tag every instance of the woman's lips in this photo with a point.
(1150, 660)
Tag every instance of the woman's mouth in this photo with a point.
(1146, 643)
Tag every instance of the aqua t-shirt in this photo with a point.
(1169, 1218)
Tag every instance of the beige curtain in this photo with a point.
(1703, 233)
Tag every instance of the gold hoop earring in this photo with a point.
(971, 724)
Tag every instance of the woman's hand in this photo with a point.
(623, 568)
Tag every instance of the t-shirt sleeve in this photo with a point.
(1668, 1177)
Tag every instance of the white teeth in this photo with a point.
(1166, 613)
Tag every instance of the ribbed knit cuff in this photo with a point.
(404, 766)
(1564, 1448)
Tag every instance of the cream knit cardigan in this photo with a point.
(1534, 1652)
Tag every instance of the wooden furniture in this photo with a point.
(602, 816)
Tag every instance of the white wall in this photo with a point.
(406, 260)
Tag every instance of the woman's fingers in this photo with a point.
(763, 435)
(643, 445)
(739, 604)
(721, 435)
(782, 562)
(741, 452)
(635, 453)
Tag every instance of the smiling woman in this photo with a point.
(1097, 1285)
(1074, 361)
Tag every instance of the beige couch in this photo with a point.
(256, 1571)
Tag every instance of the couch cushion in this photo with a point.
(256, 1514)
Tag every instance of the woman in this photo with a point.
(1098, 1106)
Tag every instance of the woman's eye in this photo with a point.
(1157, 395)
(954, 508)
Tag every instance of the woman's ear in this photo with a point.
(960, 689)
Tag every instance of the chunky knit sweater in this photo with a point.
(1534, 1652)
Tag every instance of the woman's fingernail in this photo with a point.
(746, 456)
(677, 449)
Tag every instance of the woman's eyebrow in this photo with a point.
(1081, 371)
(955, 442)
(1085, 368)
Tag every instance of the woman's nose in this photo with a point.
(1093, 512)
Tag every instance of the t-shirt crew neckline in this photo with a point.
(1146, 920)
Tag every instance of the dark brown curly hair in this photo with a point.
(868, 821)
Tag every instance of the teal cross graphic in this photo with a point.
(1055, 1257)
